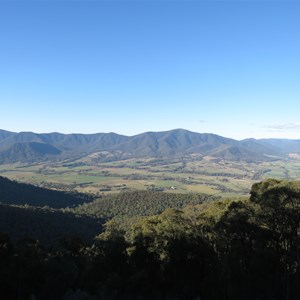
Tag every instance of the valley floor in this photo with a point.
(205, 175)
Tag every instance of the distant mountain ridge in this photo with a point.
(34, 147)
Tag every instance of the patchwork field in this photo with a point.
(217, 177)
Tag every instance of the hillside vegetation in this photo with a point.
(46, 225)
(241, 248)
(139, 203)
(12, 192)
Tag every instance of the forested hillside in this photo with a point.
(12, 192)
(244, 248)
(139, 203)
(47, 225)
(28, 147)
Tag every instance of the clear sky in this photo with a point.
(227, 67)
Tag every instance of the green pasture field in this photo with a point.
(222, 178)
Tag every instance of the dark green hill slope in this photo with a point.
(12, 192)
(46, 225)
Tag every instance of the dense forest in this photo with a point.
(245, 248)
(46, 224)
(139, 203)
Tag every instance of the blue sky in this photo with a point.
(226, 67)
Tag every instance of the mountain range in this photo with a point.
(34, 147)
